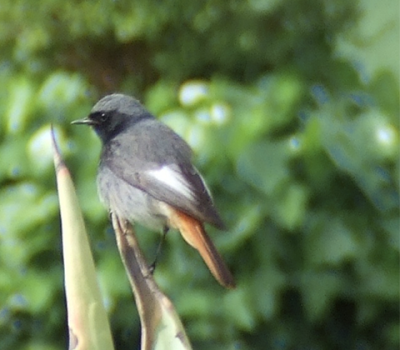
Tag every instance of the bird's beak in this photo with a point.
(86, 121)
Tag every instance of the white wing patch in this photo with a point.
(173, 179)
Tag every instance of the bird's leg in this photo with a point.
(164, 234)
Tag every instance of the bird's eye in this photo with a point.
(103, 117)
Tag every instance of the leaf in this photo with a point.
(87, 318)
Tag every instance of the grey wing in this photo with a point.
(177, 184)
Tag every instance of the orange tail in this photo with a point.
(193, 232)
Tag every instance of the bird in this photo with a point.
(145, 175)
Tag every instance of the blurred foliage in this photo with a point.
(292, 109)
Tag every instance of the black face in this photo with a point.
(112, 114)
(99, 118)
(108, 124)
(105, 124)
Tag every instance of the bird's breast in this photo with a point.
(129, 202)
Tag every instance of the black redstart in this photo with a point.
(146, 176)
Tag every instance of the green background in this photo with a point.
(292, 110)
